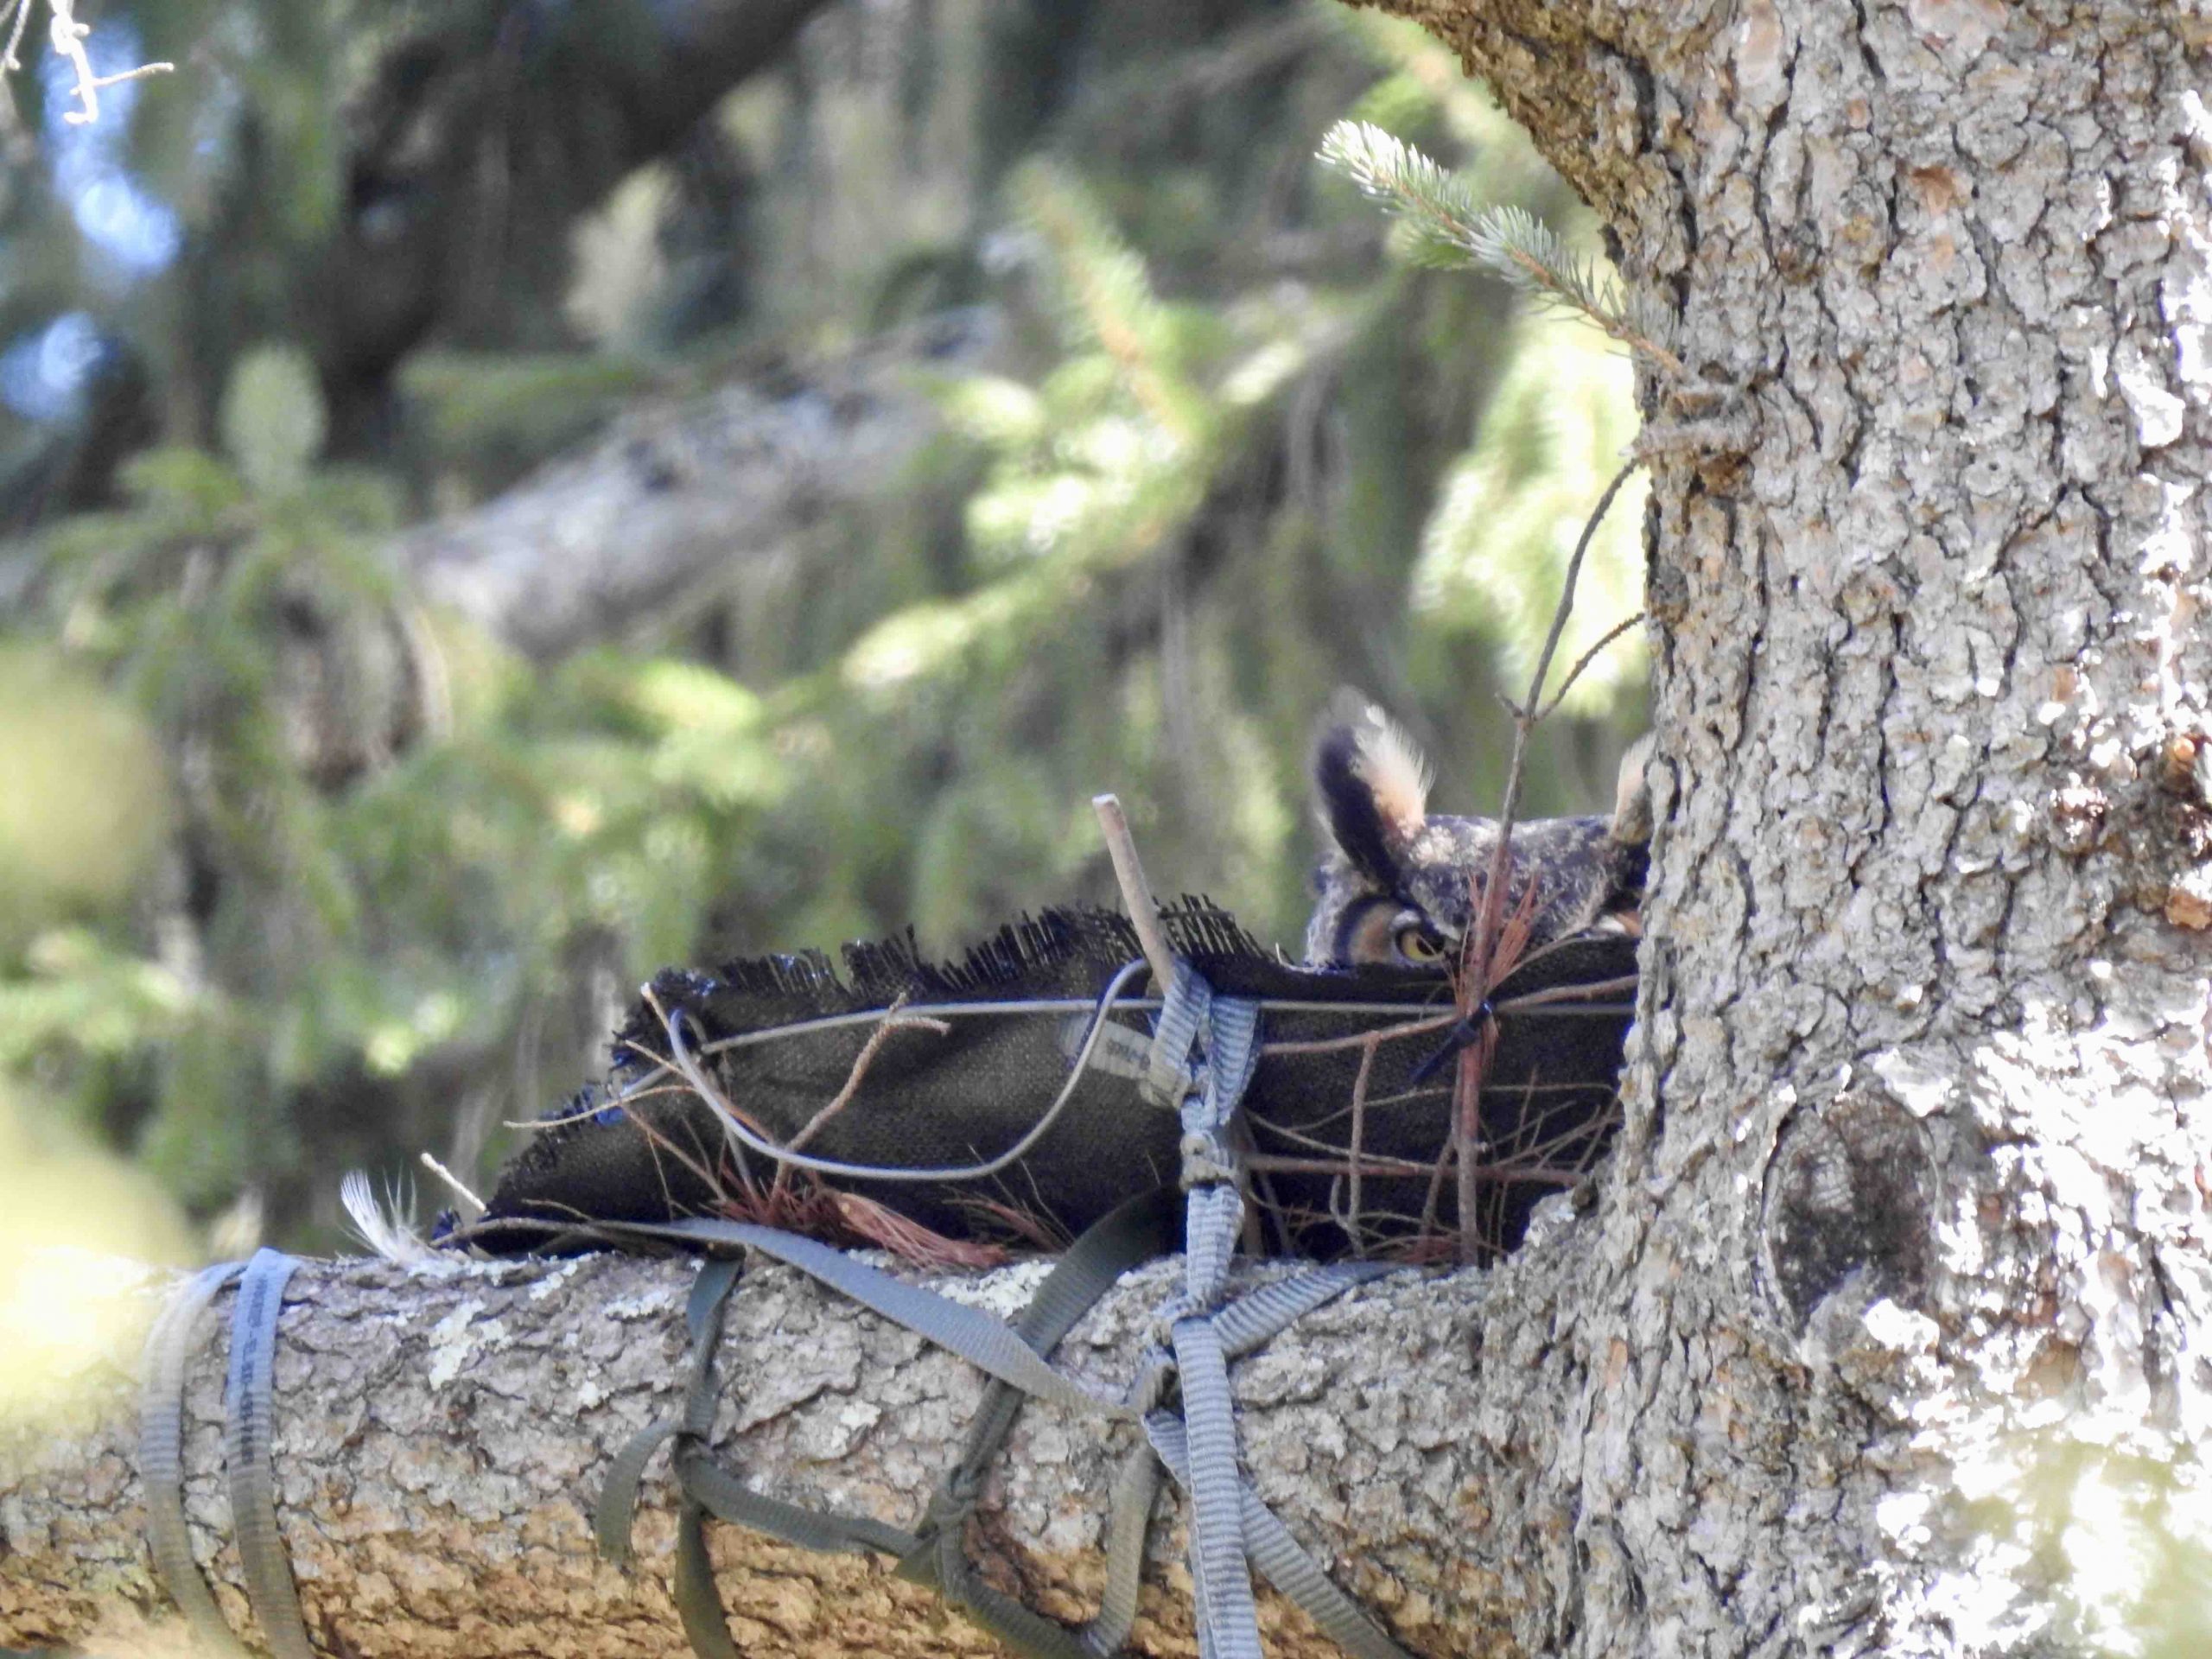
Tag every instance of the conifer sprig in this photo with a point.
(1448, 229)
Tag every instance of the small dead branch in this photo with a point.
(66, 36)
(1583, 662)
(1136, 892)
(894, 1020)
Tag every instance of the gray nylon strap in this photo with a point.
(708, 1488)
(248, 1433)
(1220, 1580)
(1134, 1232)
(1263, 1314)
(1204, 1051)
(697, 1603)
(1242, 1326)
(1281, 1558)
(1134, 1489)
(727, 1498)
(1227, 1031)
(988, 1344)
(160, 1455)
(1175, 1033)
(616, 1513)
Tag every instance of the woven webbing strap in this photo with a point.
(160, 1455)
(1203, 1054)
(249, 1415)
(1203, 1057)
(936, 1554)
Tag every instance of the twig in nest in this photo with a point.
(1359, 1038)
(1478, 974)
(469, 1202)
(1359, 1122)
(892, 1020)
(1492, 910)
(1136, 892)
(1479, 967)
(908, 1239)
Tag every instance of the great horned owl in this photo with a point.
(1398, 885)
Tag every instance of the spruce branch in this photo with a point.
(1448, 229)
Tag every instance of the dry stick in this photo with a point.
(1490, 913)
(1136, 892)
(1470, 1066)
(1583, 993)
(698, 1086)
(1372, 1164)
(1493, 906)
(1361, 1038)
(1584, 662)
(892, 1020)
(1359, 1127)
(469, 1201)
(1144, 916)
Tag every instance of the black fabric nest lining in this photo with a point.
(644, 1148)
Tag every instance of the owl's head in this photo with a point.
(1398, 884)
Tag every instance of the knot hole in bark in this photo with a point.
(1851, 1191)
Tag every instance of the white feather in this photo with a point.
(383, 1225)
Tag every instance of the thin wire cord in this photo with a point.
(704, 1088)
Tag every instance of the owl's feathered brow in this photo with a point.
(1399, 886)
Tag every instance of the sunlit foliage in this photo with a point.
(322, 877)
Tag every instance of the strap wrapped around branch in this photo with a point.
(248, 1432)
(161, 1456)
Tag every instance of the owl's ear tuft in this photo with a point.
(1632, 820)
(1371, 786)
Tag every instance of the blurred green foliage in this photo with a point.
(296, 875)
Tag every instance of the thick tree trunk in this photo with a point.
(1893, 1331)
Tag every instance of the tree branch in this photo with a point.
(671, 501)
(441, 1437)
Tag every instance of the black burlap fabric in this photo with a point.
(642, 1146)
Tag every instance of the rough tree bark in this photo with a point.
(1895, 1309)
(440, 1440)
(1887, 1332)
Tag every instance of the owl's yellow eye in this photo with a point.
(1419, 944)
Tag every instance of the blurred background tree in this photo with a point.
(1108, 434)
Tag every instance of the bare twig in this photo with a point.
(1136, 892)
(892, 1020)
(469, 1201)
(1359, 1125)
(1493, 906)
(1375, 1164)
(66, 36)
(1480, 964)
(1360, 1039)
(1584, 662)
(1595, 987)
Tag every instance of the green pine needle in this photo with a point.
(1448, 230)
